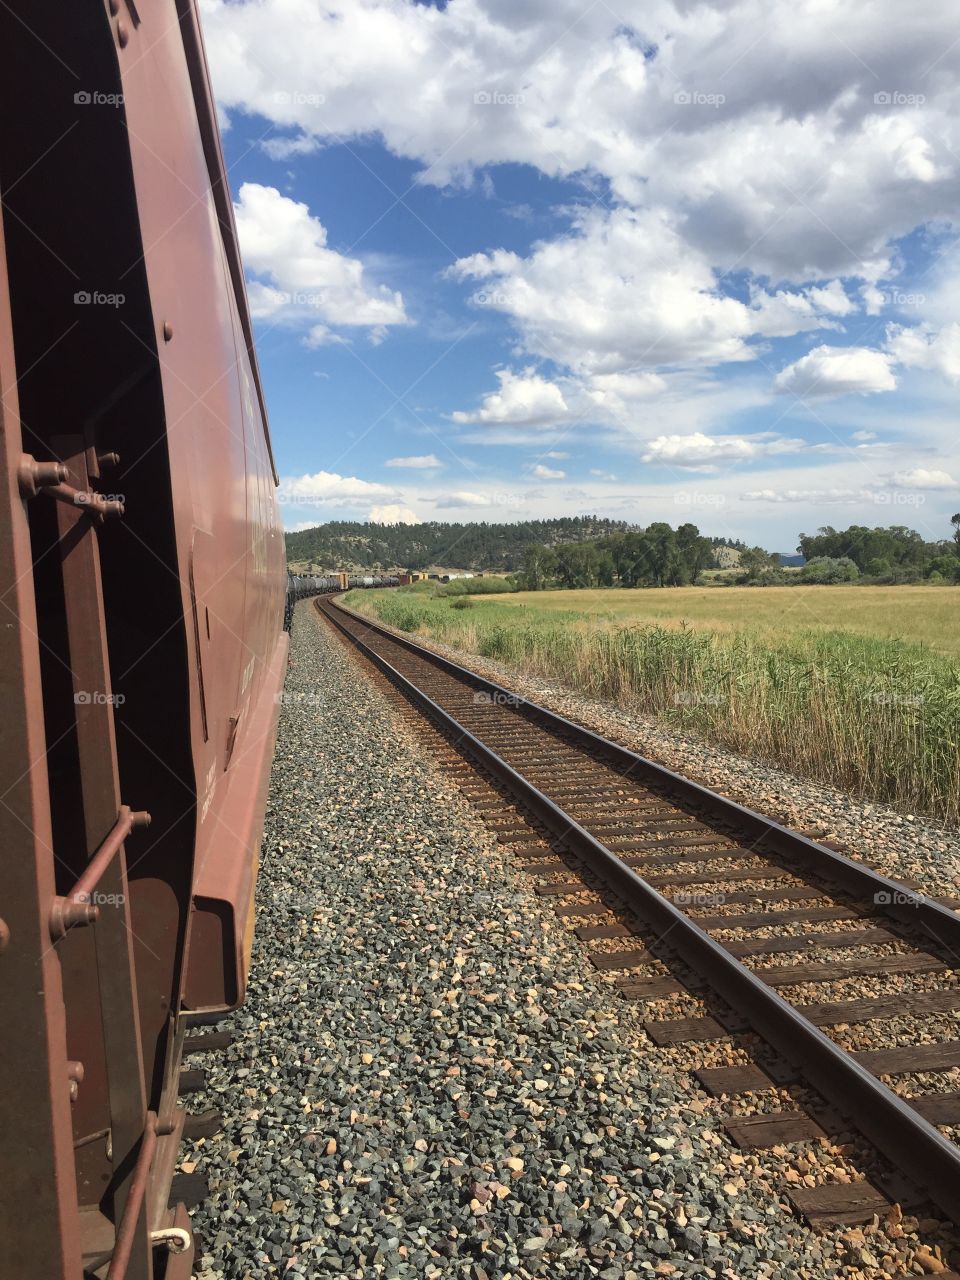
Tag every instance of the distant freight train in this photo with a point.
(300, 586)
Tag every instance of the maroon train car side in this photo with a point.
(142, 589)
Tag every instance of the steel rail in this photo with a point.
(914, 1146)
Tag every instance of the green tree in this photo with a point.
(539, 567)
(757, 562)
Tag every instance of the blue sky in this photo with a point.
(525, 260)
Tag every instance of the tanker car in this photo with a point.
(142, 585)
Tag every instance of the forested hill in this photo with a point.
(351, 545)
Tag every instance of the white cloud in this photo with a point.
(832, 371)
(523, 397)
(641, 95)
(328, 488)
(303, 280)
(558, 455)
(864, 436)
(700, 452)
(923, 347)
(546, 473)
(463, 498)
(807, 497)
(417, 462)
(318, 335)
(393, 513)
(624, 292)
(922, 478)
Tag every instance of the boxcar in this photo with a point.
(142, 583)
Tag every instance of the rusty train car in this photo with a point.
(142, 584)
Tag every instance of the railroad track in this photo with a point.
(633, 852)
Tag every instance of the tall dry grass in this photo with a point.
(877, 718)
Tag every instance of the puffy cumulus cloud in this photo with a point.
(721, 109)
(546, 473)
(624, 293)
(392, 513)
(326, 488)
(835, 371)
(699, 452)
(302, 280)
(462, 498)
(524, 398)
(922, 478)
(923, 347)
(417, 462)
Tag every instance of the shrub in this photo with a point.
(828, 569)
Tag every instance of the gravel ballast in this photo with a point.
(430, 1079)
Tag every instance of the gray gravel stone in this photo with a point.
(428, 1078)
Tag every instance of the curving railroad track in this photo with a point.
(634, 852)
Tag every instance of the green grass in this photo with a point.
(842, 694)
(925, 615)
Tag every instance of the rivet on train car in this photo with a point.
(75, 1076)
(123, 35)
(107, 460)
(32, 476)
(4, 936)
(167, 331)
(64, 915)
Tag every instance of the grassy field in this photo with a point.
(858, 686)
(920, 615)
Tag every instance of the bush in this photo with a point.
(829, 569)
(945, 567)
(462, 602)
(477, 587)
(877, 567)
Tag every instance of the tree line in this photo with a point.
(348, 544)
(660, 556)
(657, 556)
